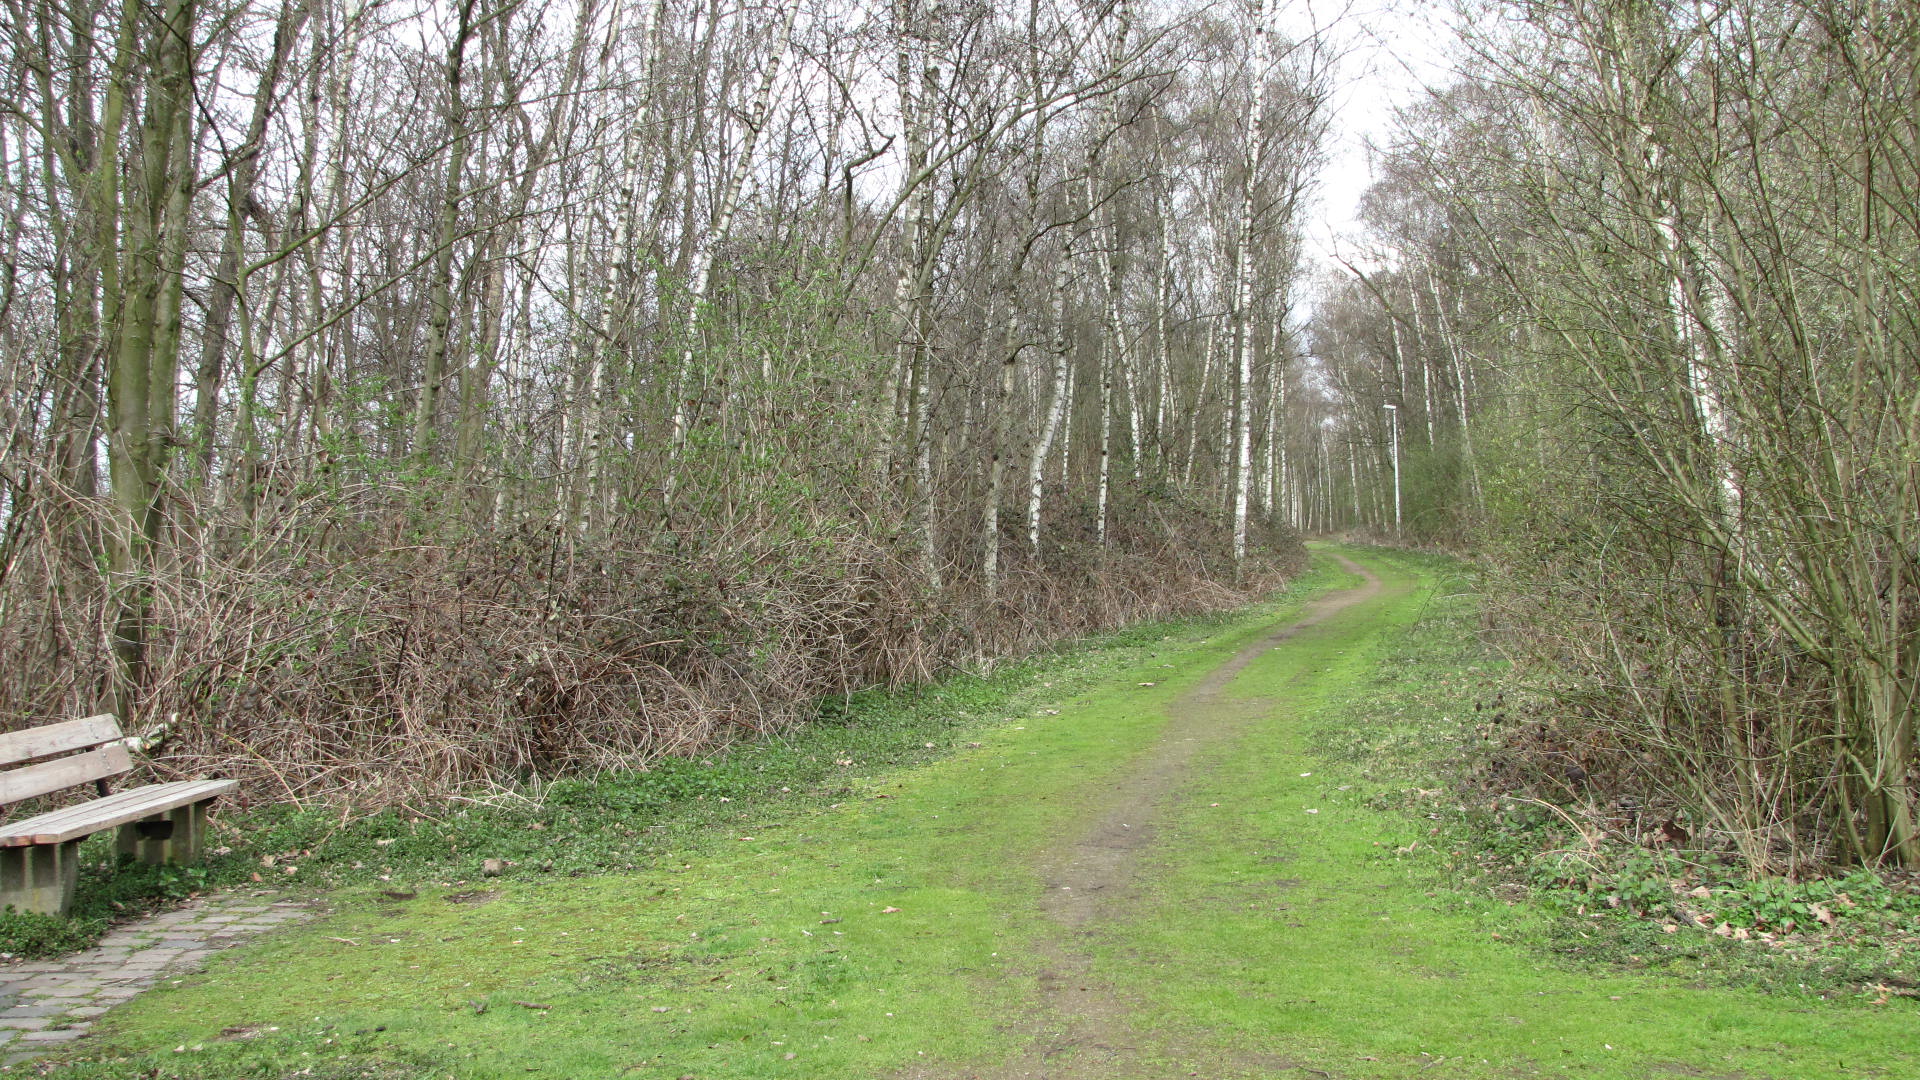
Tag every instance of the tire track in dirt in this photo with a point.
(1081, 1029)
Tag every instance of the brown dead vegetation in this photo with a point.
(352, 659)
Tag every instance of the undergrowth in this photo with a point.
(1622, 886)
(335, 662)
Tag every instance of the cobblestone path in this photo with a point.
(47, 1003)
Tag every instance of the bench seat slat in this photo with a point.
(67, 823)
(66, 772)
(18, 746)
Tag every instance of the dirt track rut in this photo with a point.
(1082, 1029)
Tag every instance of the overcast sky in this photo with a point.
(1389, 52)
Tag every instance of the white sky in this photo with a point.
(1389, 52)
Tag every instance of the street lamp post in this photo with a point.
(1393, 423)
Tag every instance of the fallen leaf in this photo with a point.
(1822, 913)
(1313, 811)
(1669, 928)
(540, 1005)
(888, 910)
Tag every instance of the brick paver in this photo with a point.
(48, 1003)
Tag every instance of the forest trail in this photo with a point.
(1168, 868)
(1083, 1028)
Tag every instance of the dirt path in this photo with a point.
(1082, 1029)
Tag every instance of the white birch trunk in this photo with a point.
(587, 432)
(1057, 406)
(705, 250)
(1112, 344)
(1133, 386)
(1699, 339)
(1000, 413)
(1243, 280)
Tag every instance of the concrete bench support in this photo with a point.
(39, 877)
(172, 838)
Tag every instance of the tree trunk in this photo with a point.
(1058, 347)
(1242, 278)
(141, 396)
(440, 295)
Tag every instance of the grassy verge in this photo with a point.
(1418, 722)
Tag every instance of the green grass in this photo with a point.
(1346, 930)
(752, 938)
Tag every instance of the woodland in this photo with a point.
(411, 399)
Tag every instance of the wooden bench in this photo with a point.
(159, 823)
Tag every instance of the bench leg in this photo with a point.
(172, 838)
(39, 877)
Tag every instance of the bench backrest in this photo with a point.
(102, 732)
